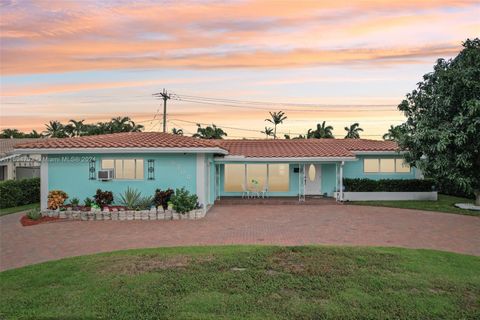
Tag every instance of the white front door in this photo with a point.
(313, 179)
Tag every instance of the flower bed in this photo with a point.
(121, 214)
(26, 221)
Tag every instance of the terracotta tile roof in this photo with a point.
(303, 148)
(7, 145)
(249, 148)
(121, 140)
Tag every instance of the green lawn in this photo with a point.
(247, 282)
(26, 207)
(444, 204)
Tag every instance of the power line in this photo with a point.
(269, 109)
(276, 103)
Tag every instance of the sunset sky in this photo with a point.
(334, 61)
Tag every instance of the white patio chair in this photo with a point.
(264, 191)
(245, 191)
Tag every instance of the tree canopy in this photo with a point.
(442, 131)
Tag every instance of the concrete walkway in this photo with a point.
(243, 224)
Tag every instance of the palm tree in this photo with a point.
(55, 129)
(119, 124)
(321, 132)
(353, 131)
(276, 119)
(11, 133)
(268, 132)
(33, 134)
(133, 127)
(178, 132)
(210, 132)
(75, 128)
(393, 133)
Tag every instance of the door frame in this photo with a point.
(317, 182)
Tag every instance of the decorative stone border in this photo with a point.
(122, 215)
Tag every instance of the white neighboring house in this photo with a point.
(18, 166)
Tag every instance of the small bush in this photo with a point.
(183, 201)
(19, 192)
(75, 202)
(87, 202)
(103, 198)
(162, 198)
(34, 214)
(388, 185)
(133, 200)
(56, 198)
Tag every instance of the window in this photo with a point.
(385, 165)
(370, 165)
(234, 177)
(125, 168)
(278, 177)
(256, 176)
(401, 166)
(274, 177)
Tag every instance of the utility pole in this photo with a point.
(165, 96)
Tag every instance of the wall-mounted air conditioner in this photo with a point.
(105, 175)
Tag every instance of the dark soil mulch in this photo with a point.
(26, 221)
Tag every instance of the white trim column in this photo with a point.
(201, 180)
(341, 180)
(44, 182)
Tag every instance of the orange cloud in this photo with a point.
(51, 36)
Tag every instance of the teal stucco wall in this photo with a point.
(70, 173)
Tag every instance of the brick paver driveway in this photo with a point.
(245, 224)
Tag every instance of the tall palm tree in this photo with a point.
(178, 132)
(55, 129)
(321, 132)
(210, 132)
(268, 132)
(75, 128)
(393, 133)
(353, 131)
(276, 118)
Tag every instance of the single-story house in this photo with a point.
(14, 166)
(211, 168)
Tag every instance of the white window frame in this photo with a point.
(134, 168)
(267, 182)
(379, 166)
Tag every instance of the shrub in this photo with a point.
(56, 198)
(388, 185)
(133, 200)
(103, 198)
(34, 214)
(75, 202)
(162, 198)
(19, 192)
(87, 202)
(183, 201)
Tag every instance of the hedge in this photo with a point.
(388, 185)
(15, 193)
